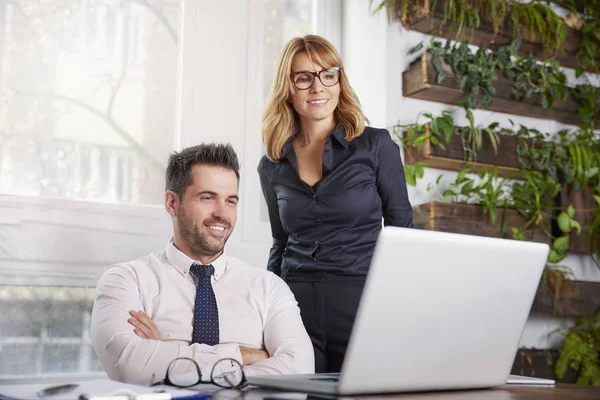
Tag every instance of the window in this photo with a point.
(88, 91)
(87, 117)
(45, 330)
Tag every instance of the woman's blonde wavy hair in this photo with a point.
(280, 120)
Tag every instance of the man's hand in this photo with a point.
(250, 355)
(144, 326)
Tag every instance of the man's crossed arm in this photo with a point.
(147, 329)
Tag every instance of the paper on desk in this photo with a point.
(88, 387)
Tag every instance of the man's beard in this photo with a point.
(199, 242)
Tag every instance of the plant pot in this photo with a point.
(471, 219)
(539, 363)
(419, 82)
(453, 157)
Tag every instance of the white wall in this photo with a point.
(373, 48)
(220, 104)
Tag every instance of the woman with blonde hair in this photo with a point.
(328, 181)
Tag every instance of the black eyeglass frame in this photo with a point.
(167, 380)
(316, 75)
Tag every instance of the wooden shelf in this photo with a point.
(484, 35)
(578, 299)
(470, 219)
(419, 82)
(539, 363)
(452, 158)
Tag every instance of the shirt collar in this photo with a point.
(339, 133)
(182, 262)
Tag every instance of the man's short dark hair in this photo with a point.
(179, 169)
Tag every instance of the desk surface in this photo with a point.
(560, 391)
(508, 392)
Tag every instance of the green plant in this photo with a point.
(530, 76)
(589, 8)
(475, 70)
(588, 13)
(404, 11)
(487, 190)
(583, 147)
(581, 351)
(472, 136)
(541, 21)
(437, 130)
(535, 19)
(590, 46)
(588, 97)
(537, 78)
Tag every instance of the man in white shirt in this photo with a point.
(152, 310)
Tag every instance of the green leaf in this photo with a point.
(439, 178)
(433, 127)
(487, 101)
(571, 211)
(518, 234)
(467, 188)
(564, 222)
(561, 244)
(420, 140)
(409, 175)
(555, 257)
(416, 48)
(575, 224)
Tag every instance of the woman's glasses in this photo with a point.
(305, 79)
(185, 372)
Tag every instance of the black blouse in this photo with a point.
(333, 225)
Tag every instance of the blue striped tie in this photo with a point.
(206, 313)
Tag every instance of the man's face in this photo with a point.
(208, 210)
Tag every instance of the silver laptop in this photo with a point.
(439, 311)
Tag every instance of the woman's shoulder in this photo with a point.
(265, 164)
(375, 135)
(266, 168)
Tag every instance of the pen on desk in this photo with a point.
(53, 390)
(123, 396)
(197, 396)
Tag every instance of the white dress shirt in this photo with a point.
(256, 309)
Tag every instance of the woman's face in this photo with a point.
(319, 101)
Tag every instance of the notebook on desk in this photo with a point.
(439, 311)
